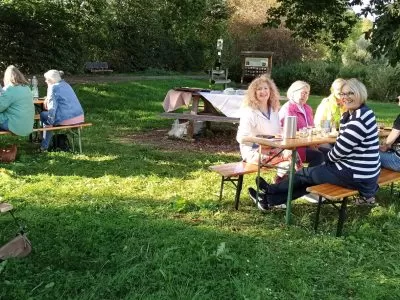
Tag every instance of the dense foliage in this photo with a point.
(129, 34)
(331, 22)
(381, 80)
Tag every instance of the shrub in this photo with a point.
(383, 82)
(318, 74)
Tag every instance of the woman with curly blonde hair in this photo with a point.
(260, 116)
(254, 101)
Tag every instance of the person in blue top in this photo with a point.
(390, 150)
(62, 104)
(16, 103)
(353, 162)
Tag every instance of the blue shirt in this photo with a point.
(63, 104)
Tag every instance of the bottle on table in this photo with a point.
(35, 90)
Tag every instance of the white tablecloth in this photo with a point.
(229, 105)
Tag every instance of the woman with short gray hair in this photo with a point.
(62, 104)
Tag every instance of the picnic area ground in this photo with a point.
(137, 216)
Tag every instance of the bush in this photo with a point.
(318, 74)
(383, 82)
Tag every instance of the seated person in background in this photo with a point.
(16, 103)
(390, 150)
(353, 161)
(329, 111)
(63, 107)
(259, 116)
(331, 108)
(297, 106)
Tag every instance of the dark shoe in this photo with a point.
(42, 150)
(262, 184)
(261, 204)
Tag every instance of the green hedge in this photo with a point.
(381, 80)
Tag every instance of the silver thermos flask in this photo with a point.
(290, 127)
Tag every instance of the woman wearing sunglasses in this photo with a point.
(353, 162)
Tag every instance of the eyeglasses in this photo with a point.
(346, 94)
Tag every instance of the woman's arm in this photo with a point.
(51, 105)
(392, 137)
(348, 139)
(5, 100)
(246, 125)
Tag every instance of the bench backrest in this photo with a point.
(97, 65)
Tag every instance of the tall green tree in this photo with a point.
(331, 21)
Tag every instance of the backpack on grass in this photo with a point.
(60, 142)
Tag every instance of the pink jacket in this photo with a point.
(304, 119)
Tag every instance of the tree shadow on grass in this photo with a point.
(119, 159)
(121, 248)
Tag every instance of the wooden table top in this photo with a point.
(301, 142)
(290, 143)
(38, 101)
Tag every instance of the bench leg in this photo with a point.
(342, 217)
(222, 188)
(238, 191)
(318, 213)
(79, 140)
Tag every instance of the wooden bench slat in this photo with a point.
(199, 117)
(388, 176)
(331, 191)
(335, 192)
(234, 169)
(234, 173)
(61, 127)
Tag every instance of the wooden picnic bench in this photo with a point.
(234, 172)
(73, 130)
(332, 194)
(97, 66)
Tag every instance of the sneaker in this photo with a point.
(312, 198)
(262, 184)
(365, 201)
(279, 206)
(261, 204)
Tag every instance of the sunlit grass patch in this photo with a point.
(139, 216)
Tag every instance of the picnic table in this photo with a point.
(293, 144)
(204, 105)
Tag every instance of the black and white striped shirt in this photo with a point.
(357, 147)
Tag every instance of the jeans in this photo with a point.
(314, 157)
(46, 134)
(390, 160)
(4, 126)
(325, 173)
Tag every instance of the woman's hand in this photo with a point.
(286, 154)
(384, 147)
(45, 103)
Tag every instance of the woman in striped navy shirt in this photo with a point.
(353, 161)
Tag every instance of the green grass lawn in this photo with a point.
(130, 220)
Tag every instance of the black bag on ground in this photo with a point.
(60, 142)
